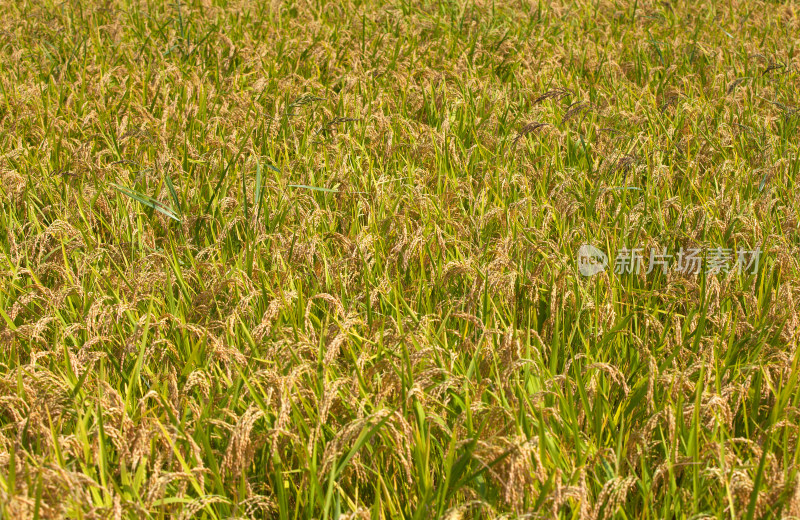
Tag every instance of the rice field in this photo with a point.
(393, 259)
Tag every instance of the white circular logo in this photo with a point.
(591, 260)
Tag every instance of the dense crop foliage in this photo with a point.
(315, 259)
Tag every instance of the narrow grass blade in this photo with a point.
(173, 193)
(224, 172)
(147, 201)
(257, 193)
(313, 188)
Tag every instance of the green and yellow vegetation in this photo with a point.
(314, 259)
